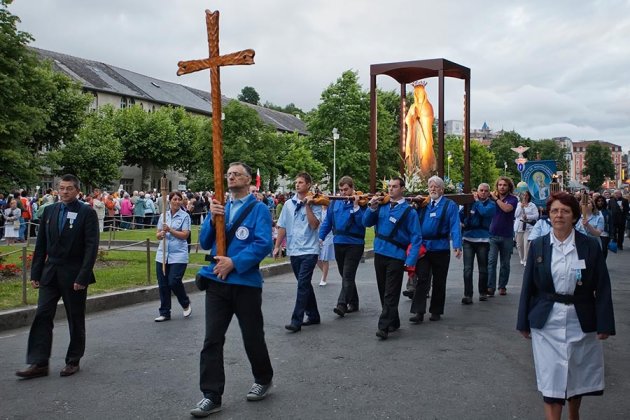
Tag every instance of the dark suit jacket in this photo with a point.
(618, 214)
(71, 253)
(594, 307)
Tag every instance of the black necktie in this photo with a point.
(298, 206)
(62, 217)
(392, 205)
(432, 204)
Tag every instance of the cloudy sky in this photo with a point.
(543, 68)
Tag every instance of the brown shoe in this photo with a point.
(33, 371)
(69, 370)
(502, 291)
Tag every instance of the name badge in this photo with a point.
(579, 265)
(472, 212)
(432, 214)
(392, 219)
(72, 215)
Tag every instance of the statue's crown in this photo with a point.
(419, 83)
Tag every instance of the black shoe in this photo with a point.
(435, 317)
(392, 329)
(340, 310)
(467, 300)
(293, 328)
(382, 334)
(33, 371)
(408, 293)
(417, 318)
(310, 322)
(483, 298)
(352, 308)
(205, 407)
(490, 292)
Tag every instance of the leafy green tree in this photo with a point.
(248, 94)
(38, 107)
(299, 158)
(598, 165)
(95, 156)
(154, 141)
(345, 106)
(548, 150)
(289, 109)
(482, 162)
(501, 148)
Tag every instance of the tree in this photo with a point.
(598, 165)
(501, 148)
(37, 106)
(345, 106)
(248, 94)
(289, 109)
(549, 150)
(95, 156)
(482, 167)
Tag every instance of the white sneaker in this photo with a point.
(188, 311)
(162, 318)
(322, 283)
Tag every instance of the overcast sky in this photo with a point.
(542, 68)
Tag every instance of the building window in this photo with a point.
(94, 105)
(127, 184)
(123, 102)
(132, 102)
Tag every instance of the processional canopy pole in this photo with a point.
(214, 63)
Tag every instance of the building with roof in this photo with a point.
(579, 161)
(122, 88)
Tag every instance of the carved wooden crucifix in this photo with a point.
(214, 62)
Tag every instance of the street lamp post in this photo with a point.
(335, 135)
(448, 165)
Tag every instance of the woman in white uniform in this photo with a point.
(566, 309)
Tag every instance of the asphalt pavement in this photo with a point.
(470, 365)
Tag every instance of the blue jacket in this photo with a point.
(347, 227)
(437, 227)
(249, 246)
(384, 220)
(594, 302)
(477, 221)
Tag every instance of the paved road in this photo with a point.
(470, 365)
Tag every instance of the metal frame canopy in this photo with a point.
(405, 72)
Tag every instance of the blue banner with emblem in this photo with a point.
(538, 174)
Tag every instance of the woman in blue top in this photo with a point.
(602, 207)
(176, 230)
(592, 221)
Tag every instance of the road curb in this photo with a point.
(22, 317)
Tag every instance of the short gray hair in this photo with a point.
(484, 184)
(437, 180)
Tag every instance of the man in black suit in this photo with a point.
(65, 253)
(619, 210)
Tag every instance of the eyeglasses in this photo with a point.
(560, 211)
(234, 174)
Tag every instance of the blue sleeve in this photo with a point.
(326, 225)
(256, 250)
(186, 222)
(207, 234)
(282, 220)
(358, 216)
(488, 210)
(413, 226)
(370, 217)
(456, 230)
(535, 232)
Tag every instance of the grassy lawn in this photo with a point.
(115, 270)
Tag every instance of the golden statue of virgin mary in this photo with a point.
(419, 139)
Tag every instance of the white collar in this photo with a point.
(565, 246)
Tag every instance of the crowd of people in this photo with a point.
(565, 302)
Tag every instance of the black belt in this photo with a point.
(566, 299)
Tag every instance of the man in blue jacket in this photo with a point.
(439, 224)
(396, 226)
(476, 232)
(345, 219)
(234, 287)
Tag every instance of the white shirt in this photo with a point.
(564, 258)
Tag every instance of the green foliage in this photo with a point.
(482, 162)
(37, 106)
(548, 150)
(501, 148)
(345, 106)
(248, 94)
(598, 165)
(299, 158)
(96, 154)
(289, 109)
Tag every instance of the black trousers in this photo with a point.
(348, 257)
(436, 263)
(222, 302)
(389, 276)
(41, 334)
(618, 235)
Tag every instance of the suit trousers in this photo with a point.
(222, 302)
(433, 264)
(619, 231)
(305, 301)
(389, 276)
(348, 257)
(41, 334)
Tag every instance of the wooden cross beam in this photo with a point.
(214, 63)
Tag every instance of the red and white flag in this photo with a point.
(258, 179)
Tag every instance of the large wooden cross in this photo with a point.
(214, 62)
